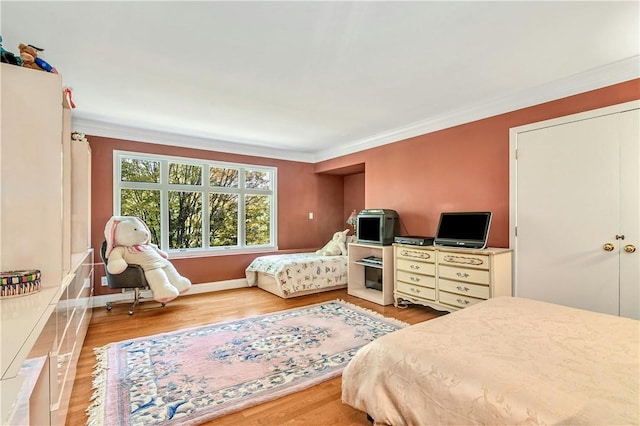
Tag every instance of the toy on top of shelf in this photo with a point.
(29, 56)
(77, 136)
(8, 57)
(67, 95)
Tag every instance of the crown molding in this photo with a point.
(616, 72)
(96, 127)
(607, 75)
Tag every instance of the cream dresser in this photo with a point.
(448, 278)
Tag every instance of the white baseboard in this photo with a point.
(195, 289)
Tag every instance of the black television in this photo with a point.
(463, 229)
(377, 226)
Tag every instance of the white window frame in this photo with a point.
(164, 187)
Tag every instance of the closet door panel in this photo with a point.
(629, 135)
(567, 208)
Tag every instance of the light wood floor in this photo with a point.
(319, 405)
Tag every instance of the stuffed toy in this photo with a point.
(8, 57)
(337, 245)
(128, 242)
(29, 56)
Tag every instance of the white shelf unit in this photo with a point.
(44, 220)
(357, 284)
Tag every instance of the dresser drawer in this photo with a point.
(465, 289)
(475, 261)
(61, 366)
(457, 300)
(76, 286)
(79, 284)
(87, 290)
(422, 280)
(67, 333)
(415, 266)
(416, 291)
(464, 274)
(423, 255)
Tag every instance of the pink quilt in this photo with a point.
(504, 361)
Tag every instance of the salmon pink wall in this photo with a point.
(354, 191)
(462, 168)
(300, 191)
(465, 167)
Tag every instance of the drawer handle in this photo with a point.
(464, 302)
(462, 274)
(409, 253)
(462, 288)
(413, 289)
(414, 266)
(415, 279)
(463, 260)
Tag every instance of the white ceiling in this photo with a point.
(314, 80)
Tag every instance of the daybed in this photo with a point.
(503, 361)
(298, 274)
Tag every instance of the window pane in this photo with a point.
(134, 170)
(185, 220)
(223, 220)
(144, 204)
(185, 174)
(257, 222)
(257, 180)
(169, 195)
(226, 178)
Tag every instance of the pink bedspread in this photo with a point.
(504, 361)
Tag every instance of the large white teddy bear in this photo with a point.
(337, 246)
(128, 242)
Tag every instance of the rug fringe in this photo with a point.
(392, 320)
(95, 411)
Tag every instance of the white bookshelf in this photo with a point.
(44, 225)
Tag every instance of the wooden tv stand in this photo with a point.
(357, 285)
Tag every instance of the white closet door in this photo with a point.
(567, 209)
(629, 129)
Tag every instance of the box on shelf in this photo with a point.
(19, 283)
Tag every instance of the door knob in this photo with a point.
(630, 248)
(608, 247)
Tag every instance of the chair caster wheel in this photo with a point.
(130, 312)
(164, 304)
(109, 307)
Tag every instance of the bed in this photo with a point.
(503, 361)
(298, 274)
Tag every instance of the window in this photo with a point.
(193, 205)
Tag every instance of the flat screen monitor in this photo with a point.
(463, 229)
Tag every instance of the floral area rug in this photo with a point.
(194, 375)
